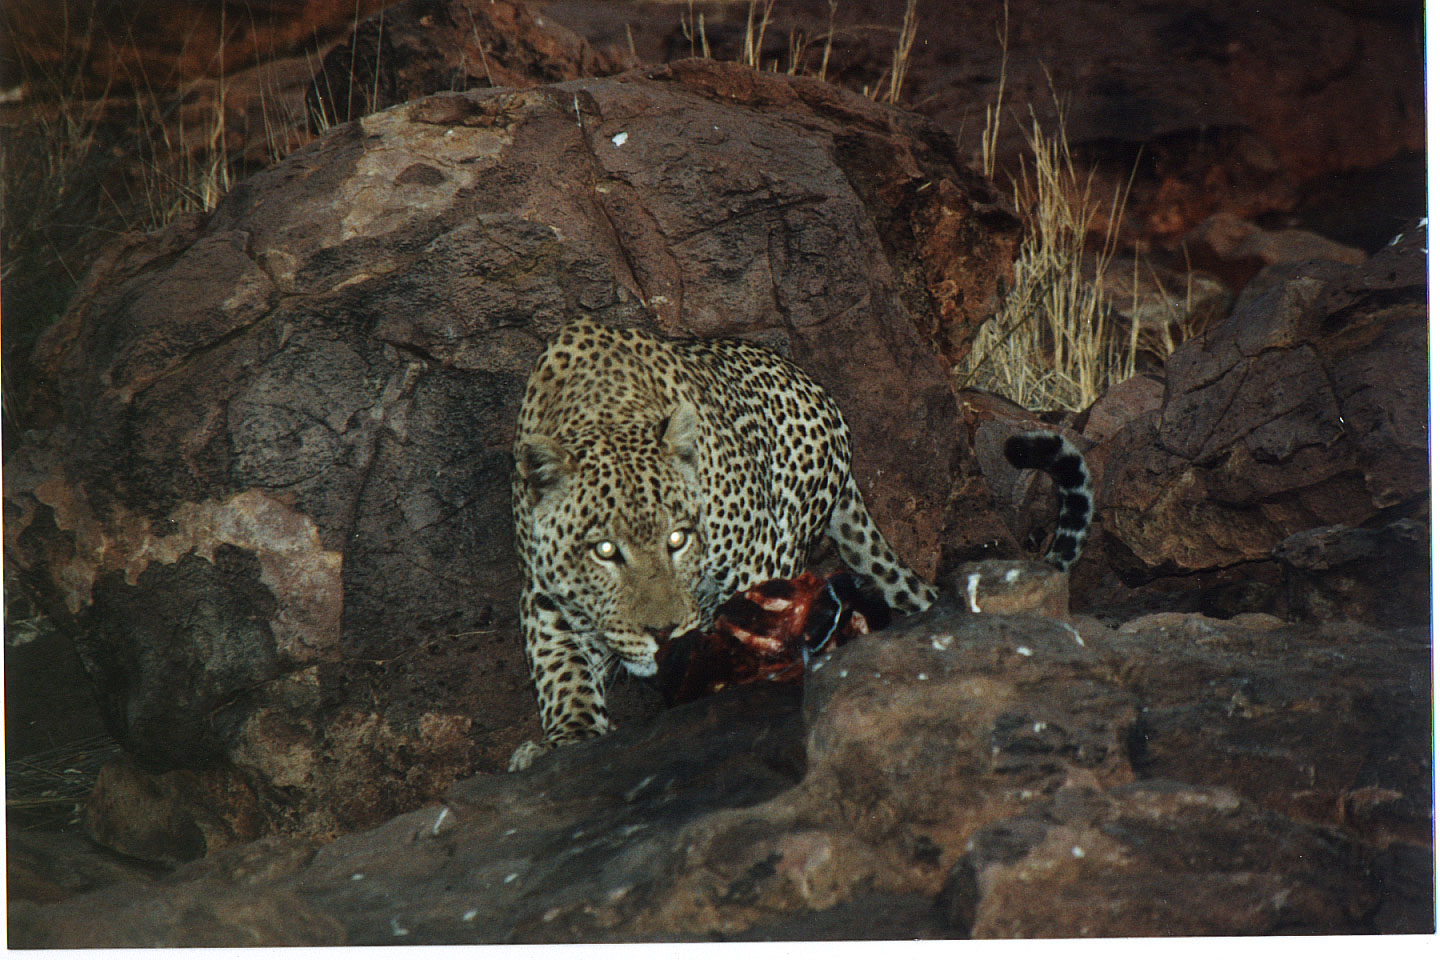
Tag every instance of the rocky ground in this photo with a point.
(256, 501)
(958, 775)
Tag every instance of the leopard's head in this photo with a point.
(615, 530)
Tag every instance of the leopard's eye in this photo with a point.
(677, 539)
(605, 550)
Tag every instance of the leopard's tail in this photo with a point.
(1058, 457)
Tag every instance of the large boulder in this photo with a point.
(955, 775)
(1306, 409)
(269, 492)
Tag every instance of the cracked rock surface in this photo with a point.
(1305, 410)
(955, 775)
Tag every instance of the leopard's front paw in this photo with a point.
(526, 754)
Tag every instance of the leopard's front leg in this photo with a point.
(569, 671)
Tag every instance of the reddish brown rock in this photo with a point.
(961, 774)
(1237, 249)
(1010, 587)
(1306, 408)
(173, 817)
(1126, 402)
(957, 725)
(1285, 716)
(273, 492)
(1156, 859)
(1379, 575)
(1206, 94)
(1168, 306)
(49, 866)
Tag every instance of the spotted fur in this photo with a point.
(656, 478)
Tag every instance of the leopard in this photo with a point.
(655, 478)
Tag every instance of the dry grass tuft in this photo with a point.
(1181, 316)
(900, 60)
(689, 28)
(47, 790)
(991, 134)
(755, 33)
(1056, 341)
(798, 57)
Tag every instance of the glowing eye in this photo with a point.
(605, 550)
(678, 539)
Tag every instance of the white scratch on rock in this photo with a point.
(435, 828)
(1077, 852)
(1012, 574)
(1025, 651)
(943, 641)
(972, 587)
(357, 876)
(396, 929)
(619, 139)
(469, 915)
(634, 791)
(512, 878)
(1074, 633)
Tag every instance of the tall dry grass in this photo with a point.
(760, 17)
(990, 135)
(894, 80)
(755, 33)
(1057, 341)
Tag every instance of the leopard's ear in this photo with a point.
(680, 431)
(542, 463)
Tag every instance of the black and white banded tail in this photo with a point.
(1058, 457)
